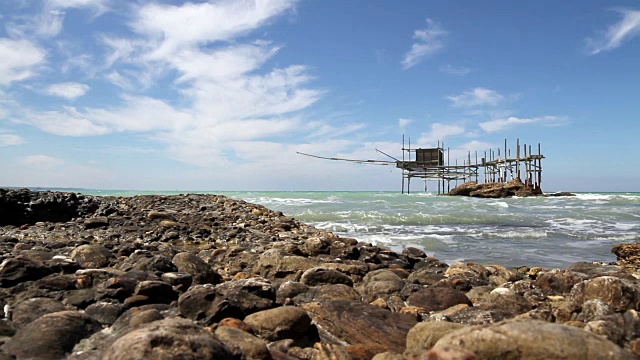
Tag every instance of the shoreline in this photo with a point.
(225, 271)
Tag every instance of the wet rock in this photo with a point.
(172, 338)
(201, 272)
(436, 299)
(91, 256)
(494, 190)
(355, 322)
(51, 336)
(321, 275)
(279, 323)
(18, 269)
(31, 309)
(532, 339)
(507, 302)
(243, 344)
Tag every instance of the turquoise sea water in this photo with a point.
(548, 232)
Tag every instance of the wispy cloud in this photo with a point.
(615, 35)
(476, 97)
(42, 161)
(68, 90)
(403, 123)
(10, 139)
(439, 132)
(506, 123)
(429, 41)
(454, 70)
(20, 59)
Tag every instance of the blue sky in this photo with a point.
(219, 95)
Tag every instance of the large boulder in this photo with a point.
(437, 298)
(172, 338)
(532, 339)
(494, 190)
(51, 336)
(355, 322)
(279, 323)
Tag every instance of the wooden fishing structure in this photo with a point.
(434, 164)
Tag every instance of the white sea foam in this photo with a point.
(594, 196)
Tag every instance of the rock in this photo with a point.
(201, 272)
(289, 290)
(615, 292)
(105, 313)
(92, 256)
(321, 275)
(180, 281)
(158, 291)
(628, 257)
(424, 335)
(31, 309)
(279, 323)
(532, 339)
(196, 303)
(275, 263)
(355, 322)
(327, 292)
(17, 270)
(51, 336)
(96, 222)
(243, 344)
(608, 329)
(595, 308)
(448, 353)
(495, 190)
(436, 299)
(172, 338)
(379, 283)
(558, 282)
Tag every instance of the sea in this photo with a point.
(550, 232)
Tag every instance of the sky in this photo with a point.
(221, 94)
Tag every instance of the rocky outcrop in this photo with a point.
(206, 276)
(495, 190)
(629, 257)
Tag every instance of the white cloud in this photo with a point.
(20, 59)
(429, 41)
(453, 70)
(624, 30)
(10, 139)
(42, 161)
(403, 123)
(503, 124)
(99, 7)
(476, 97)
(208, 22)
(439, 132)
(68, 90)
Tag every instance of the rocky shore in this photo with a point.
(206, 276)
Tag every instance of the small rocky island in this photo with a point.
(497, 190)
(207, 276)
